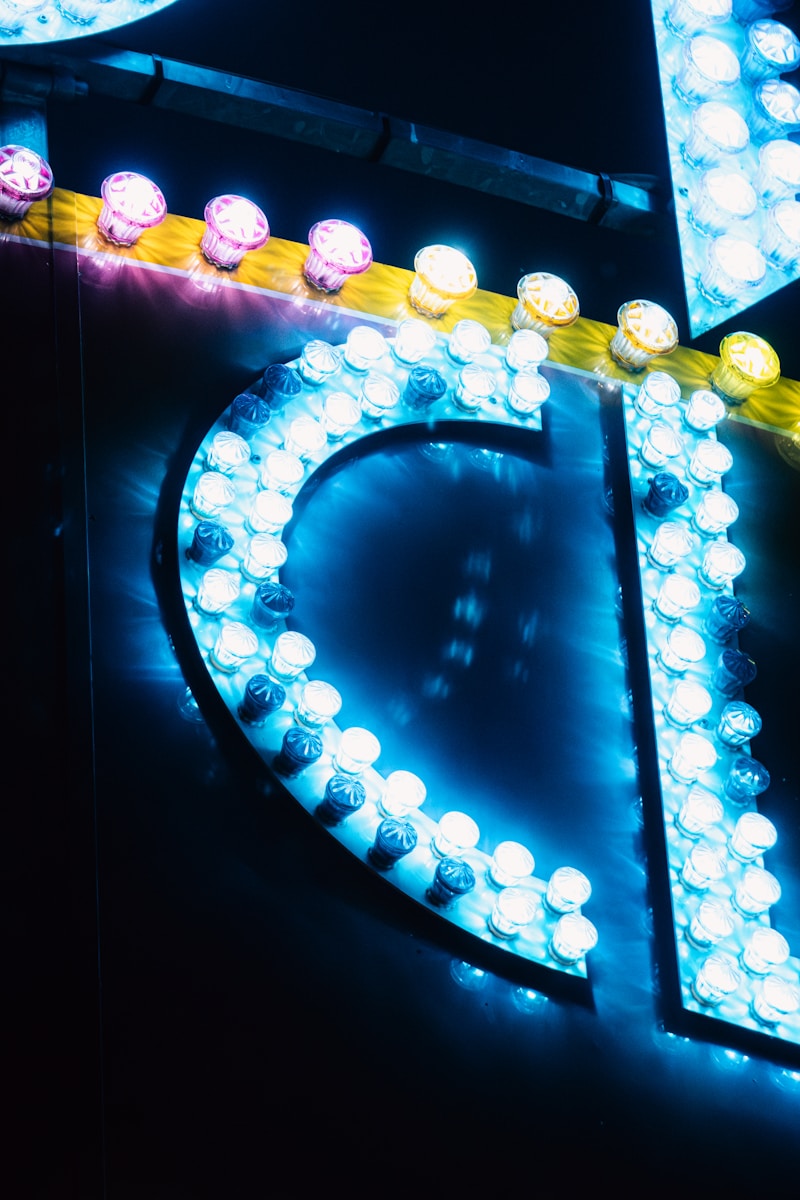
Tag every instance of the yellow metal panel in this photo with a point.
(69, 218)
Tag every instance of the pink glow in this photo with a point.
(336, 251)
(233, 226)
(24, 177)
(131, 203)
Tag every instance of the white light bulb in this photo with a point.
(213, 492)
(455, 833)
(227, 452)
(781, 240)
(716, 980)
(269, 512)
(527, 392)
(358, 749)
(513, 909)
(282, 472)
(752, 836)
(319, 703)
(292, 654)
(700, 810)
(709, 66)
(413, 341)
(756, 891)
(765, 950)
(511, 863)
(305, 438)
(235, 644)
(732, 266)
(693, 755)
(402, 793)
(364, 348)
(573, 938)
(718, 133)
(567, 890)
(778, 174)
(216, 591)
(263, 558)
(467, 341)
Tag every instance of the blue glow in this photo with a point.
(526, 1000)
(726, 930)
(326, 372)
(471, 979)
(737, 247)
(23, 22)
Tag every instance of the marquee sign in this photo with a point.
(255, 462)
(732, 963)
(732, 119)
(333, 404)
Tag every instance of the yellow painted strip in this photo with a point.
(68, 218)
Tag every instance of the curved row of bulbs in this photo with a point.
(324, 386)
(19, 18)
(338, 250)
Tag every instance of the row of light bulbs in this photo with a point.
(725, 890)
(744, 205)
(338, 250)
(234, 225)
(282, 472)
(327, 378)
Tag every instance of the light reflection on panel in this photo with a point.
(731, 117)
(733, 965)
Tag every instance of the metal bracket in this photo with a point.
(298, 116)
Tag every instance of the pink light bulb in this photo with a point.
(337, 250)
(131, 204)
(24, 177)
(233, 226)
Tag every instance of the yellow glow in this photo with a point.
(70, 219)
(644, 330)
(746, 362)
(648, 326)
(545, 302)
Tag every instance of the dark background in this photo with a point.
(208, 997)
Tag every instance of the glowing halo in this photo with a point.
(378, 395)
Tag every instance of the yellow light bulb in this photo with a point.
(645, 330)
(746, 363)
(546, 302)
